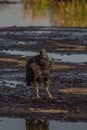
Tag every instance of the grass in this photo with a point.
(75, 90)
(71, 14)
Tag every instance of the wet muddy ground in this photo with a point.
(68, 78)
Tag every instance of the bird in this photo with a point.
(38, 69)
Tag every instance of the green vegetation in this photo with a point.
(61, 12)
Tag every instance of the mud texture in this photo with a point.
(68, 80)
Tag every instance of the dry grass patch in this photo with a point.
(63, 67)
(47, 110)
(12, 60)
(68, 47)
(74, 91)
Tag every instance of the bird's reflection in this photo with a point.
(36, 124)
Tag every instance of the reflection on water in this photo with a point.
(45, 13)
(58, 12)
(35, 124)
(12, 14)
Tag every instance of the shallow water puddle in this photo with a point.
(22, 124)
(12, 124)
(72, 58)
(67, 126)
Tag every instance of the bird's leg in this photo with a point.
(46, 83)
(37, 92)
(48, 92)
(37, 89)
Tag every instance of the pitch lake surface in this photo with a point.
(20, 124)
